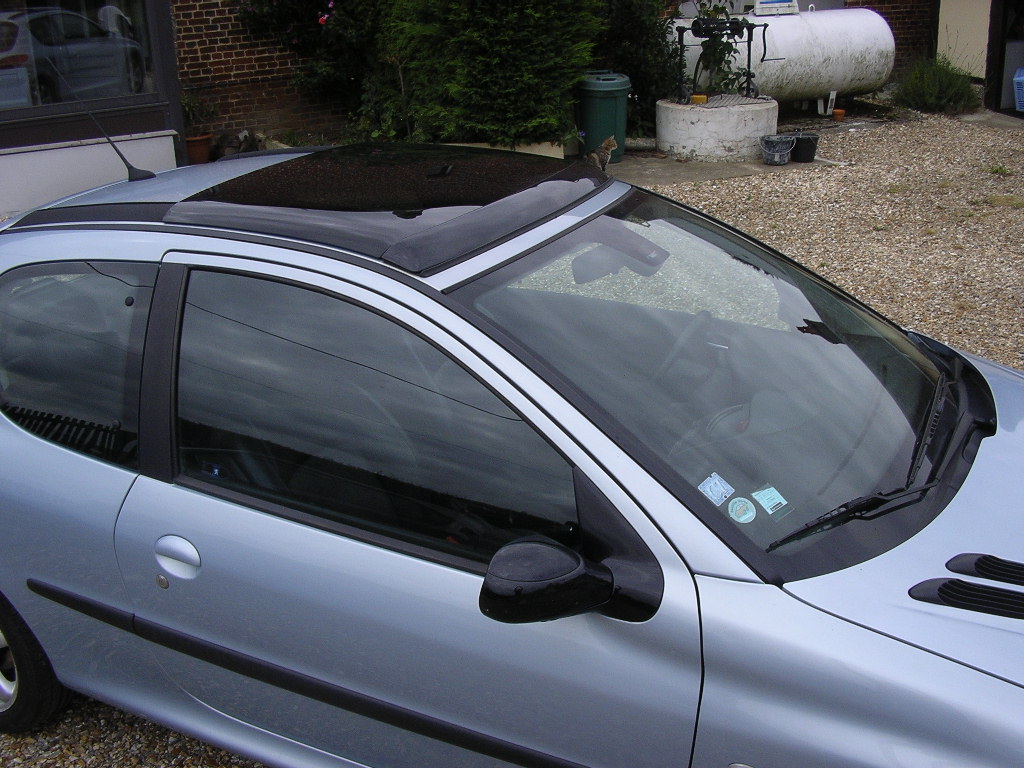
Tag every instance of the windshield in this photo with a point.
(761, 395)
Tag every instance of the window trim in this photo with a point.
(159, 372)
(158, 421)
(320, 523)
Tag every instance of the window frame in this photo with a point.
(119, 115)
(131, 383)
(158, 419)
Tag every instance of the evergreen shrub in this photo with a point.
(496, 72)
(937, 85)
(503, 72)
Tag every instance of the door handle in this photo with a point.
(178, 557)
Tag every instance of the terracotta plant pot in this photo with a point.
(198, 148)
(839, 115)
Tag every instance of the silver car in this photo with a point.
(431, 456)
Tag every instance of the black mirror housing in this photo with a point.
(538, 579)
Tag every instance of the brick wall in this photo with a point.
(248, 81)
(912, 23)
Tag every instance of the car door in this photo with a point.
(312, 566)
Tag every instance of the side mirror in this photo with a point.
(537, 579)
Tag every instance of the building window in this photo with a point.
(79, 51)
(68, 67)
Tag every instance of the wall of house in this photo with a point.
(45, 172)
(963, 33)
(912, 23)
(248, 81)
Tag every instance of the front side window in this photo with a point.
(91, 50)
(71, 337)
(764, 396)
(322, 406)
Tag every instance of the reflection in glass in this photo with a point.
(305, 400)
(71, 354)
(767, 393)
(88, 50)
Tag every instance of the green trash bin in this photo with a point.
(602, 110)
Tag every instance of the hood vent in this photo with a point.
(988, 567)
(957, 593)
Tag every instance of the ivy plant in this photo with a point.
(336, 40)
(714, 72)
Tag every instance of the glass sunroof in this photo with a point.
(416, 206)
(388, 177)
(419, 207)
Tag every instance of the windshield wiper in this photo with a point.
(862, 508)
(931, 425)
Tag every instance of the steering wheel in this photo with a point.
(682, 340)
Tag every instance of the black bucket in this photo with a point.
(804, 148)
(776, 148)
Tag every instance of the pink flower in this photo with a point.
(323, 19)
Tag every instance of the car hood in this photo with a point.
(945, 588)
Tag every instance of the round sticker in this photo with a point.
(742, 510)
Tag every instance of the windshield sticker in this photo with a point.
(716, 489)
(772, 501)
(742, 510)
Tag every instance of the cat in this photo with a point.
(602, 154)
(235, 143)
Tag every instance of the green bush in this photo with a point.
(197, 113)
(503, 72)
(937, 85)
(497, 72)
(637, 40)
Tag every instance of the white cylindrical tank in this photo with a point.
(810, 54)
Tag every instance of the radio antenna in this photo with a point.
(134, 174)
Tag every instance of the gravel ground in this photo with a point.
(923, 218)
(93, 735)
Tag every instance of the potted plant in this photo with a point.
(198, 114)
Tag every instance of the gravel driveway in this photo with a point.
(921, 218)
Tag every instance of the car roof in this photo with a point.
(174, 185)
(419, 207)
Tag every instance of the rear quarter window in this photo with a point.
(71, 338)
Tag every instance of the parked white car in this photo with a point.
(66, 56)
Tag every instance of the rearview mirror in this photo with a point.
(596, 263)
(537, 579)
